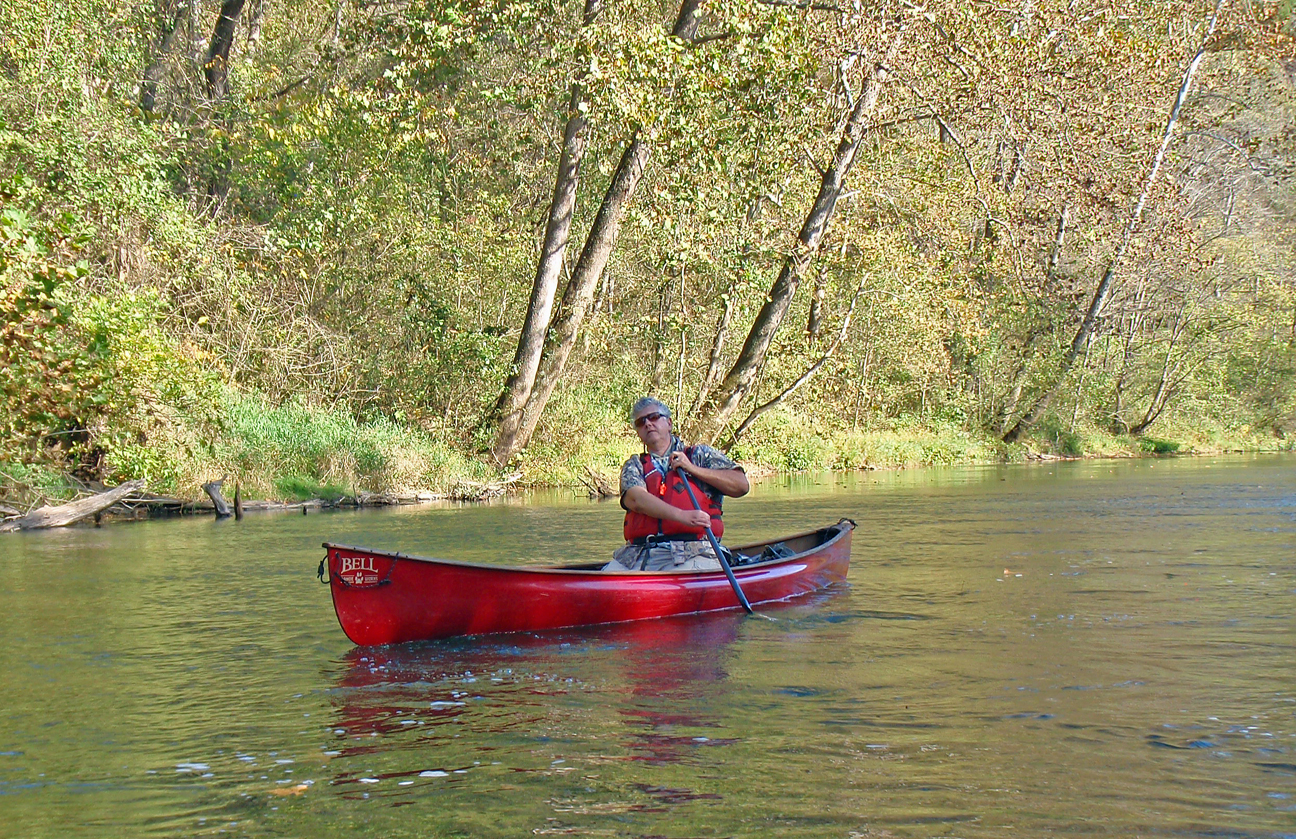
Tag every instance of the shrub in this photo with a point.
(1152, 445)
(304, 489)
(295, 449)
(1069, 443)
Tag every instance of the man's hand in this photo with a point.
(695, 518)
(730, 482)
(680, 460)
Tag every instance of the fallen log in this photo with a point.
(389, 499)
(74, 511)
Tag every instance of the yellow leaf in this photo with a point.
(286, 791)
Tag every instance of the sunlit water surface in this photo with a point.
(1069, 649)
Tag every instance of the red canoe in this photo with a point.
(389, 598)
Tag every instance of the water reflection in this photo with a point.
(656, 675)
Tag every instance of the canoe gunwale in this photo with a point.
(843, 526)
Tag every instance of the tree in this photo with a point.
(526, 393)
(751, 359)
(509, 408)
(1102, 293)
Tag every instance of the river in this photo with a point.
(1095, 648)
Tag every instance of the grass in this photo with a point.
(791, 442)
(295, 451)
(24, 485)
(1151, 445)
(304, 489)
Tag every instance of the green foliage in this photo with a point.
(304, 489)
(1151, 445)
(317, 281)
(282, 449)
(585, 428)
(1057, 436)
(92, 380)
(786, 441)
(48, 384)
(791, 442)
(25, 485)
(1069, 443)
(917, 444)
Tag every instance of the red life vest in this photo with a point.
(672, 491)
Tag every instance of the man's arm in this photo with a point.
(638, 499)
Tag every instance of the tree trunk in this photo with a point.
(216, 68)
(525, 405)
(173, 30)
(741, 376)
(815, 321)
(256, 18)
(804, 377)
(526, 361)
(508, 410)
(659, 334)
(1059, 241)
(222, 507)
(1005, 418)
(1169, 380)
(197, 40)
(1103, 292)
(580, 288)
(717, 348)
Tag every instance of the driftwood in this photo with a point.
(389, 499)
(474, 491)
(70, 513)
(132, 498)
(599, 485)
(213, 490)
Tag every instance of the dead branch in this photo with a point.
(213, 490)
(807, 375)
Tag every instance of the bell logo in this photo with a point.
(363, 570)
(358, 565)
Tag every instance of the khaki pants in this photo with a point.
(665, 556)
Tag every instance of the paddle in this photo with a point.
(715, 545)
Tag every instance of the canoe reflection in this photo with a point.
(658, 677)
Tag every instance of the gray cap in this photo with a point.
(649, 402)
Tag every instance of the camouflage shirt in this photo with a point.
(632, 474)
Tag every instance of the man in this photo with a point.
(663, 530)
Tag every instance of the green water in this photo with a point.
(1070, 649)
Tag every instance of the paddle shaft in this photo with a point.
(715, 545)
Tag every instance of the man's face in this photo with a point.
(653, 428)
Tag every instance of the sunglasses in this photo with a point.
(656, 416)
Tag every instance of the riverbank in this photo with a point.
(404, 467)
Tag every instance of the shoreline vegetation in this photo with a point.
(366, 251)
(291, 484)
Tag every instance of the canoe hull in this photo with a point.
(390, 598)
